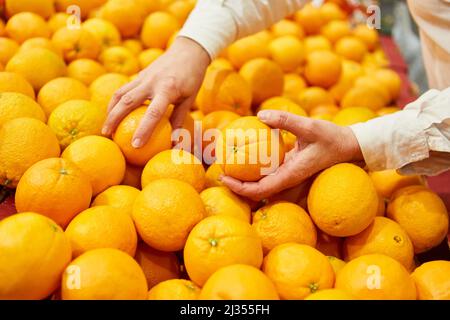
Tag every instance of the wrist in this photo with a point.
(352, 148)
(192, 48)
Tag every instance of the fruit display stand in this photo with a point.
(439, 184)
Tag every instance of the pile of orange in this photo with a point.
(104, 220)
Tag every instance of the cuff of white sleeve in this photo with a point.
(391, 142)
(212, 26)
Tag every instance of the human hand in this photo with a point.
(321, 144)
(174, 78)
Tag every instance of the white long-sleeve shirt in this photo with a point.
(415, 140)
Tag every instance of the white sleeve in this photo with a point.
(215, 24)
(415, 140)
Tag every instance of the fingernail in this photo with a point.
(105, 131)
(264, 115)
(221, 177)
(137, 143)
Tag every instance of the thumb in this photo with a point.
(302, 127)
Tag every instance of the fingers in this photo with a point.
(284, 178)
(150, 120)
(127, 103)
(302, 127)
(119, 93)
(179, 114)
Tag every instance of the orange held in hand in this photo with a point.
(249, 149)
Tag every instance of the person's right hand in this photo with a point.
(174, 78)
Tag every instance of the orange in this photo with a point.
(158, 28)
(220, 241)
(422, 214)
(58, 21)
(23, 142)
(283, 104)
(342, 200)
(119, 60)
(158, 266)
(351, 48)
(126, 15)
(212, 176)
(8, 48)
(14, 82)
(104, 274)
(387, 110)
(391, 80)
(324, 109)
(148, 56)
(28, 240)
(246, 49)
(388, 181)
(44, 43)
(351, 70)
(221, 63)
(374, 85)
(298, 270)
(103, 88)
(61, 90)
(221, 201)
(175, 164)
(238, 282)
(323, 69)
(310, 18)
(38, 66)
(287, 52)
(336, 263)
(224, 89)
(312, 97)
(76, 44)
(85, 70)
(2, 28)
(329, 245)
(102, 227)
(329, 294)
(432, 280)
(44, 8)
(100, 159)
(249, 149)
(26, 25)
(330, 11)
(86, 6)
(120, 197)
(376, 277)
(76, 119)
(16, 105)
(265, 77)
(287, 27)
(336, 30)
(197, 115)
(105, 32)
(349, 116)
(383, 236)
(317, 43)
(367, 35)
(175, 289)
(181, 9)
(134, 46)
(132, 176)
(165, 212)
(217, 120)
(55, 188)
(283, 222)
(293, 84)
(159, 141)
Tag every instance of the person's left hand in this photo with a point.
(321, 144)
